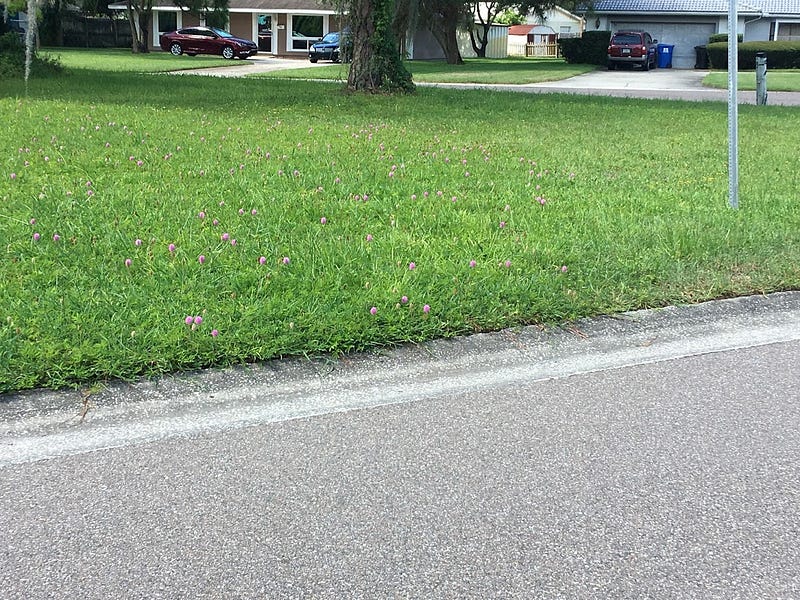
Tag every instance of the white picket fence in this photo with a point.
(524, 49)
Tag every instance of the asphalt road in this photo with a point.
(651, 455)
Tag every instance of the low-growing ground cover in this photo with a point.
(123, 60)
(777, 81)
(511, 71)
(151, 223)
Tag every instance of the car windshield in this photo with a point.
(626, 39)
(221, 33)
(330, 38)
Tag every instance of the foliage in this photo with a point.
(215, 11)
(591, 49)
(510, 17)
(12, 60)
(722, 37)
(340, 195)
(780, 55)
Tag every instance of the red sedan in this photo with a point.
(206, 40)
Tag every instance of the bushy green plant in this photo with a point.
(12, 59)
(722, 37)
(591, 49)
(780, 55)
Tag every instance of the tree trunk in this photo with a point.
(144, 30)
(376, 61)
(132, 22)
(479, 36)
(443, 26)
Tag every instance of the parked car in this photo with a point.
(206, 40)
(331, 47)
(632, 48)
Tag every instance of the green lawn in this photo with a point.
(359, 221)
(123, 60)
(474, 70)
(777, 81)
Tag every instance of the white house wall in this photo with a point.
(558, 20)
(757, 30)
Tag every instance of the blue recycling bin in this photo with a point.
(665, 56)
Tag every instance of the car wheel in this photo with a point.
(313, 60)
(646, 64)
(176, 49)
(227, 52)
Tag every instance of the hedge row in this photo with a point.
(723, 37)
(591, 49)
(780, 55)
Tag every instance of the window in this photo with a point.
(788, 32)
(306, 29)
(167, 21)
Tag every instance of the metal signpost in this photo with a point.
(733, 107)
(761, 78)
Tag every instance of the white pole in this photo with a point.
(733, 106)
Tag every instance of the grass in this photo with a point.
(512, 71)
(777, 81)
(512, 208)
(123, 60)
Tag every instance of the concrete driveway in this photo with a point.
(261, 63)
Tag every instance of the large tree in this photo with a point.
(486, 14)
(376, 65)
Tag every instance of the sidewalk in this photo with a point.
(663, 84)
(660, 84)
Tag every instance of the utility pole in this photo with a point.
(733, 106)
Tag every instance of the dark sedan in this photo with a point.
(329, 48)
(207, 40)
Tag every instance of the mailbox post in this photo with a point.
(761, 78)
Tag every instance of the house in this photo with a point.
(689, 23)
(284, 28)
(522, 37)
(560, 20)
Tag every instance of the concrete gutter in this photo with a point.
(43, 424)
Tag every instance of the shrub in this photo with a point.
(780, 55)
(722, 37)
(591, 49)
(12, 59)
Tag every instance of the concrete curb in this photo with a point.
(39, 425)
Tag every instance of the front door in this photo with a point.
(265, 33)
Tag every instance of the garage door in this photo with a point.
(685, 36)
